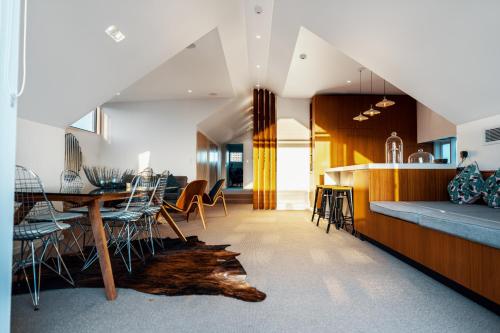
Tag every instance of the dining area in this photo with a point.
(107, 223)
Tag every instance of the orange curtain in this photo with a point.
(264, 149)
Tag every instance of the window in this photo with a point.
(446, 149)
(236, 157)
(89, 122)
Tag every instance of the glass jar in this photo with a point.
(421, 156)
(394, 149)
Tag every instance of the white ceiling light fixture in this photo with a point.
(360, 117)
(258, 36)
(257, 66)
(258, 10)
(189, 91)
(371, 112)
(113, 32)
(118, 94)
(385, 102)
(349, 81)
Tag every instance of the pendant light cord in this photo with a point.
(25, 25)
(19, 92)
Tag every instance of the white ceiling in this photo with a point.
(325, 70)
(192, 73)
(444, 54)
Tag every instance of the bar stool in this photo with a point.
(323, 194)
(337, 216)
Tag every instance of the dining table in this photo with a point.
(92, 197)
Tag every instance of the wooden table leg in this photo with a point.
(102, 249)
(172, 224)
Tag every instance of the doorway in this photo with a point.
(234, 165)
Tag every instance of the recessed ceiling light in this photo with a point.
(191, 46)
(258, 36)
(189, 91)
(257, 85)
(117, 94)
(349, 81)
(213, 94)
(113, 32)
(258, 66)
(303, 56)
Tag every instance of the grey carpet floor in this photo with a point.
(315, 282)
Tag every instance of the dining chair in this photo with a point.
(214, 195)
(71, 182)
(36, 227)
(125, 221)
(146, 182)
(150, 226)
(190, 199)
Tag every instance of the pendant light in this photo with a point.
(371, 112)
(385, 102)
(360, 117)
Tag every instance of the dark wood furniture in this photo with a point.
(92, 198)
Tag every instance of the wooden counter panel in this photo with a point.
(409, 184)
(470, 264)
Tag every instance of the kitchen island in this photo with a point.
(460, 261)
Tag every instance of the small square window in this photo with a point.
(236, 157)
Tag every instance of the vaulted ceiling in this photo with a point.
(443, 53)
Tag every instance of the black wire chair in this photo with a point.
(38, 230)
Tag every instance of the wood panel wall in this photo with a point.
(472, 265)
(338, 140)
(206, 169)
(264, 149)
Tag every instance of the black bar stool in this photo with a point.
(337, 216)
(322, 203)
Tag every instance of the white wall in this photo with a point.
(9, 21)
(293, 155)
(470, 138)
(163, 130)
(41, 148)
(432, 126)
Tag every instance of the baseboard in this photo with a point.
(475, 297)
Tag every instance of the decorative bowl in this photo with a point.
(105, 177)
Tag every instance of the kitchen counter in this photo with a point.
(344, 175)
(391, 166)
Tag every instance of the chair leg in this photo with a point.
(201, 209)
(315, 203)
(172, 223)
(35, 293)
(224, 203)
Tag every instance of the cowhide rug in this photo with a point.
(191, 268)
